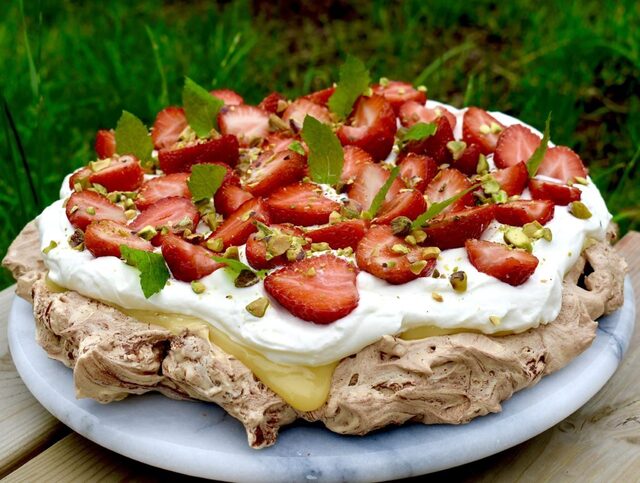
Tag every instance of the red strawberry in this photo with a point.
(468, 161)
(412, 112)
(124, 173)
(174, 213)
(560, 194)
(479, 127)
(298, 110)
(372, 127)
(105, 145)
(341, 235)
(169, 124)
(511, 266)
(280, 141)
(229, 97)
(375, 254)
(156, 189)
(247, 123)
(235, 230)
(369, 181)
(318, 289)
(409, 203)
(256, 249)
(186, 261)
(563, 164)
(104, 237)
(301, 204)
(448, 183)
(451, 230)
(397, 93)
(513, 179)
(179, 159)
(229, 198)
(417, 170)
(321, 97)
(81, 177)
(273, 170)
(521, 212)
(86, 206)
(271, 102)
(515, 144)
(354, 159)
(436, 144)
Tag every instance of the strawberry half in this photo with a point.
(397, 93)
(560, 194)
(448, 183)
(176, 214)
(273, 170)
(369, 181)
(229, 198)
(256, 248)
(169, 124)
(280, 141)
(318, 289)
(417, 170)
(86, 206)
(180, 159)
(467, 163)
(521, 212)
(81, 177)
(103, 239)
(481, 128)
(412, 112)
(341, 235)
(354, 159)
(237, 228)
(376, 254)
(372, 127)
(321, 97)
(409, 203)
(247, 123)
(301, 204)
(298, 110)
(229, 97)
(436, 144)
(512, 266)
(168, 186)
(271, 102)
(513, 179)
(516, 144)
(563, 164)
(124, 173)
(186, 261)
(451, 230)
(105, 144)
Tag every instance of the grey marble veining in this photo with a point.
(201, 440)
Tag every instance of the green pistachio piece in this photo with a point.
(483, 164)
(198, 287)
(51, 246)
(129, 214)
(231, 252)
(411, 240)
(456, 148)
(148, 232)
(90, 210)
(458, 281)
(246, 278)
(495, 320)
(258, 307)
(419, 235)
(516, 237)
(437, 297)
(400, 248)
(401, 226)
(429, 253)
(99, 165)
(278, 244)
(335, 217)
(320, 247)
(581, 180)
(579, 210)
(418, 266)
(215, 244)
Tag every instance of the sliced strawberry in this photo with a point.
(298, 110)
(105, 145)
(397, 93)
(186, 261)
(468, 160)
(563, 164)
(321, 97)
(169, 124)
(156, 189)
(229, 198)
(372, 127)
(478, 127)
(237, 228)
(417, 170)
(86, 206)
(436, 144)
(124, 173)
(81, 177)
(273, 170)
(176, 214)
(448, 183)
(521, 212)
(409, 203)
(412, 112)
(369, 181)
(280, 141)
(229, 97)
(512, 266)
(104, 237)
(301, 204)
(179, 159)
(516, 144)
(375, 254)
(271, 103)
(256, 249)
(341, 235)
(318, 289)
(513, 179)
(248, 123)
(451, 230)
(560, 194)
(354, 159)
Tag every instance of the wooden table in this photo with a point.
(599, 442)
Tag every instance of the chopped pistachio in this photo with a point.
(350, 210)
(277, 124)
(456, 148)
(278, 244)
(76, 240)
(73, 209)
(335, 217)
(579, 210)
(129, 203)
(311, 272)
(98, 188)
(400, 249)
(533, 229)
(296, 251)
(485, 129)
(495, 128)
(258, 307)
(581, 180)
(246, 278)
(90, 210)
(130, 214)
(483, 164)
(401, 225)
(458, 281)
(410, 240)
(215, 244)
(198, 287)
(345, 252)
(490, 185)
(418, 266)
(320, 247)
(436, 273)
(282, 105)
(500, 197)
(517, 238)
(231, 252)
(99, 165)
(77, 187)
(546, 234)
(430, 252)
(437, 297)
(421, 88)
(419, 235)
(52, 244)
(148, 232)
(495, 320)
(384, 81)
(247, 215)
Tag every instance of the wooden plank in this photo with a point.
(25, 426)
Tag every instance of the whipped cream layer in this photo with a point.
(383, 308)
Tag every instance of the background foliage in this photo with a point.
(69, 68)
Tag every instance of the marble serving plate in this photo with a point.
(200, 439)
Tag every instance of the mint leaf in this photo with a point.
(153, 271)
(382, 193)
(235, 265)
(354, 80)
(296, 147)
(326, 156)
(205, 180)
(436, 208)
(419, 131)
(132, 137)
(538, 155)
(200, 107)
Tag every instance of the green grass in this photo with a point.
(69, 68)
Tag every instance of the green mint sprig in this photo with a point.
(326, 156)
(436, 208)
(200, 108)
(354, 81)
(153, 270)
(132, 137)
(537, 157)
(205, 180)
(378, 199)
